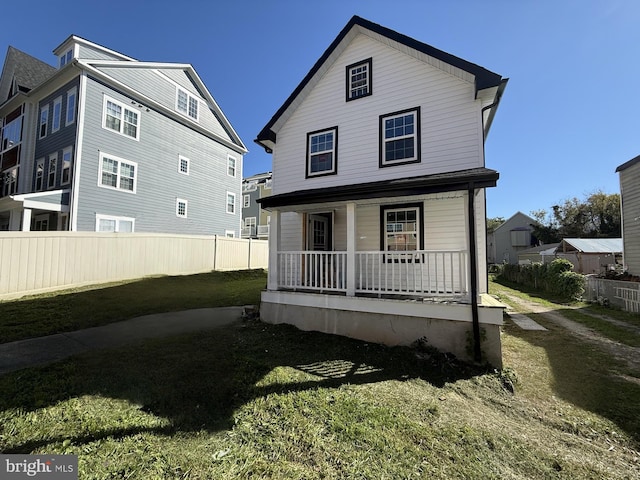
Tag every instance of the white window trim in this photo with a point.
(119, 160)
(68, 150)
(71, 93)
(226, 203)
(230, 233)
(186, 208)
(180, 160)
(246, 201)
(43, 109)
(63, 60)
(56, 116)
(53, 156)
(189, 98)
(42, 162)
(117, 220)
(235, 165)
(387, 234)
(124, 107)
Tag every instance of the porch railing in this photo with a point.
(311, 270)
(263, 230)
(422, 273)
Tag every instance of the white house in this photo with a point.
(377, 226)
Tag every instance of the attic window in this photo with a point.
(66, 57)
(187, 104)
(359, 80)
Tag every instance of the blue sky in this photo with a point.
(569, 116)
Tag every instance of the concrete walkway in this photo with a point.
(52, 348)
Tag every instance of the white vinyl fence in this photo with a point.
(32, 262)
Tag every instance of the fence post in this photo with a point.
(249, 259)
(215, 253)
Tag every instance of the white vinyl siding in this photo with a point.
(451, 132)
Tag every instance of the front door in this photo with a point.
(319, 232)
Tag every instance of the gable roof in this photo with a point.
(483, 78)
(527, 218)
(27, 71)
(593, 245)
(628, 164)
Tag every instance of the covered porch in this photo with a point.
(35, 211)
(385, 268)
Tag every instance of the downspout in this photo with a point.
(473, 260)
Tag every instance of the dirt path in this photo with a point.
(625, 353)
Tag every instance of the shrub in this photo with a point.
(556, 278)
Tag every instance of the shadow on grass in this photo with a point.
(198, 381)
(585, 375)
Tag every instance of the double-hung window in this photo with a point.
(66, 57)
(39, 174)
(70, 115)
(359, 79)
(187, 104)
(231, 166)
(53, 166)
(57, 115)
(120, 118)
(231, 202)
(66, 166)
(322, 152)
(401, 227)
(44, 121)
(117, 173)
(400, 137)
(246, 201)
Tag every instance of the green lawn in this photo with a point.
(98, 305)
(268, 401)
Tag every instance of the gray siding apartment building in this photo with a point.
(105, 142)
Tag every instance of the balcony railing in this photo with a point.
(248, 232)
(263, 230)
(421, 273)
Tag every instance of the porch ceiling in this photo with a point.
(436, 183)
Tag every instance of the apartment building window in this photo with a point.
(246, 201)
(70, 115)
(66, 57)
(39, 174)
(231, 166)
(117, 173)
(183, 165)
(120, 118)
(110, 223)
(231, 202)
(230, 234)
(57, 115)
(187, 104)
(44, 121)
(66, 165)
(359, 80)
(400, 137)
(53, 166)
(181, 207)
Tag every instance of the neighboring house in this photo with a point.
(591, 255)
(539, 254)
(255, 220)
(378, 206)
(630, 200)
(105, 142)
(510, 238)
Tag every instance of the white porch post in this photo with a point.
(26, 220)
(274, 248)
(351, 249)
